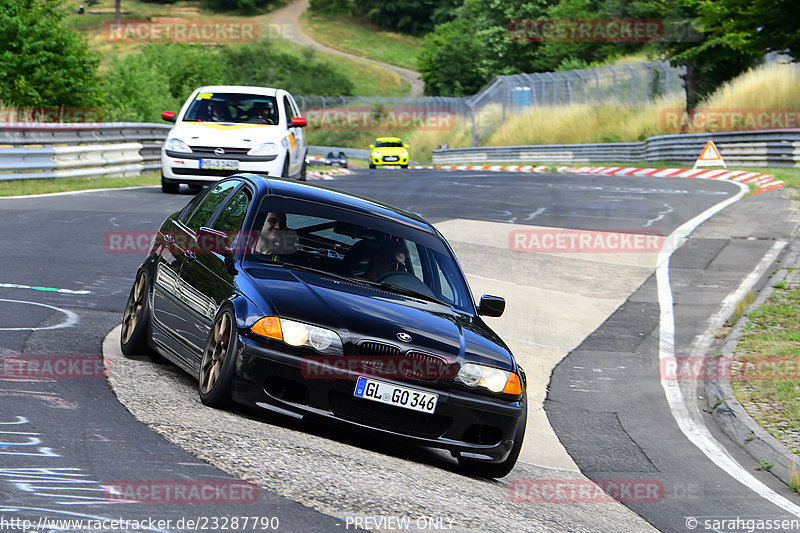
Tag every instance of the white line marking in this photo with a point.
(45, 195)
(45, 289)
(71, 318)
(698, 433)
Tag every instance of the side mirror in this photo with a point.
(169, 116)
(491, 305)
(371, 146)
(299, 122)
(211, 240)
(405, 146)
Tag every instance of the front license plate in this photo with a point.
(219, 163)
(391, 158)
(380, 391)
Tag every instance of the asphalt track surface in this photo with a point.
(63, 440)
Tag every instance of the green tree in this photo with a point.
(462, 55)
(44, 64)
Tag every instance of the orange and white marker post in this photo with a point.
(710, 157)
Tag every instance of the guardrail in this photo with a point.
(354, 153)
(68, 150)
(766, 148)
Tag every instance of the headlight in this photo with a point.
(404, 153)
(299, 334)
(376, 154)
(177, 145)
(490, 378)
(264, 149)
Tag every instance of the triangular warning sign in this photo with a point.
(710, 157)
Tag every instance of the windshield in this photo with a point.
(233, 108)
(388, 144)
(363, 248)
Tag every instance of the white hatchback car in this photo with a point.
(225, 129)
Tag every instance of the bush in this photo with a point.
(161, 76)
(44, 64)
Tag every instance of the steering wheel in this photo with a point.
(399, 273)
(406, 280)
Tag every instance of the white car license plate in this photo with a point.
(391, 158)
(219, 163)
(380, 391)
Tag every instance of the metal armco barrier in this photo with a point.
(79, 150)
(354, 153)
(767, 148)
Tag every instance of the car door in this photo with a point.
(207, 274)
(177, 319)
(172, 240)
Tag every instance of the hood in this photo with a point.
(225, 134)
(358, 312)
(390, 150)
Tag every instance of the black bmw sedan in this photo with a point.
(309, 302)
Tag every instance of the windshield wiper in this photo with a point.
(411, 292)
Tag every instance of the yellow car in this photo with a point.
(388, 151)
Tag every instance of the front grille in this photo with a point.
(377, 348)
(424, 366)
(210, 150)
(388, 417)
(219, 172)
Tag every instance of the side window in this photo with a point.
(289, 111)
(209, 204)
(231, 217)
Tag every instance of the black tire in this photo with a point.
(302, 176)
(217, 364)
(285, 171)
(403, 166)
(372, 166)
(498, 470)
(169, 186)
(133, 336)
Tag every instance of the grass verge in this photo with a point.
(357, 37)
(44, 186)
(764, 372)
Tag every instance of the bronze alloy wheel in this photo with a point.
(215, 353)
(133, 310)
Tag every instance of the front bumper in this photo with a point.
(392, 160)
(469, 425)
(186, 167)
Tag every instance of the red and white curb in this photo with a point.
(763, 182)
(486, 168)
(327, 174)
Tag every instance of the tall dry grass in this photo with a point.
(767, 89)
(582, 123)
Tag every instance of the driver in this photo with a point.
(275, 238)
(389, 257)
